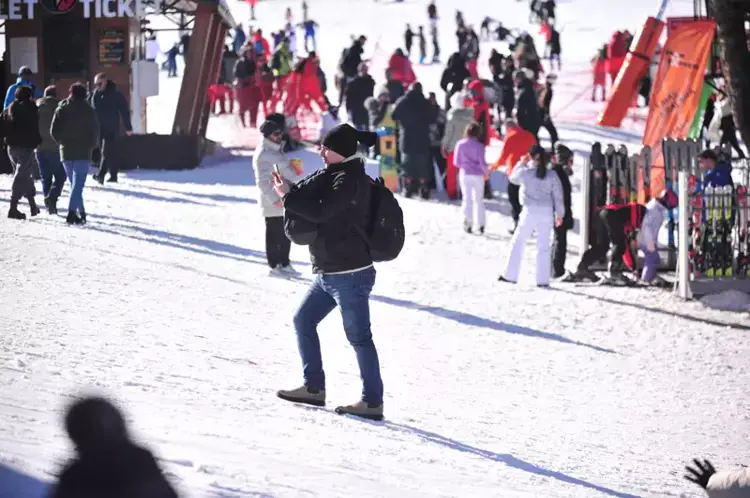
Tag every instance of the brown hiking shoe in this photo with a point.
(363, 410)
(305, 395)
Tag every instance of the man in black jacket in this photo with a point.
(336, 200)
(527, 108)
(452, 80)
(351, 58)
(357, 91)
(412, 112)
(562, 164)
(111, 107)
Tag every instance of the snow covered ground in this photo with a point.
(163, 302)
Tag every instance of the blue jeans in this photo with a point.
(52, 172)
(351, 292)
(77, 172)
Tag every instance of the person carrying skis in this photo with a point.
(544, 208)
(408, 39)
(562, 164)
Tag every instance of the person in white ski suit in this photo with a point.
(267, 155)
(541, 196)
(725, 484)
(648, 235)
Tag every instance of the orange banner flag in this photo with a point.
(634, 68)
(677, 90)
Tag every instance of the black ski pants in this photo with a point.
(559, 251)
(608, 229)
(514, 200)
(107, 163)
(277, 243)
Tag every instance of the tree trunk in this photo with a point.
(735, 59)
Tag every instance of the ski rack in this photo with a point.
(689, 282)
(612, 176)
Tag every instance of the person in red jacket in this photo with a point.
(304, 87)
(401, 69)
(616, 52)
(478, 102)
(261, 46)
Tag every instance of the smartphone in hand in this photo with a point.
(276, 170)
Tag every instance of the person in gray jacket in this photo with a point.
(266, 156)
(543, 207)
(726, 484)
(459, 117)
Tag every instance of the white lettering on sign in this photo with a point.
(102, 8)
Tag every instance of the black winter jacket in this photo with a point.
(20, 123)
(124, 472)
(565, 182)
(110, 106)
(351, 59)
(357, 91)
(527, 109)
(454, 75)
(412, 112)
(336, 199)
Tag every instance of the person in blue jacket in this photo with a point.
(24, 79)
(718, 171)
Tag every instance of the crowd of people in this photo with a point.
(63, 137)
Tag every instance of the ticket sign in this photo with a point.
(24, 9)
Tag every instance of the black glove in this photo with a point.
(702, 475)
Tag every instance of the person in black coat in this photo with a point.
(504, 80)
(554, 50)
(408, 39)
(357, 91)
(496, 63)
(452, 80)
(394, 88)
(351, 58)
(20, 125)
(335, 202)
(111, 107)
(563, 166)
(527, 108)
(545, 108)
(108, 463)
(412, 112)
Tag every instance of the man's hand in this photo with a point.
(280, 186)
(702, 474)
(128, 133)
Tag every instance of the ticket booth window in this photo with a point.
(66, 47)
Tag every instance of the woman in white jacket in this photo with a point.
(541, 196)
(265, 157)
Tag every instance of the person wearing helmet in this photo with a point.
(648, 235)
(562, 164)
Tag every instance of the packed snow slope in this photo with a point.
(163, 302)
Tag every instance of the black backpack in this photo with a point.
(385, 234)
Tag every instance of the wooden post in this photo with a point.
(216, 56)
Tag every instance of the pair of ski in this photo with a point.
(604, 280)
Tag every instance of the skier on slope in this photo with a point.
(408, 39)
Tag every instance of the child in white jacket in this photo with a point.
(648, 236)
(541, 196)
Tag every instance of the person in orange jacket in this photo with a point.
(516, 145)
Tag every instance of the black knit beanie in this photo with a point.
(343, 140)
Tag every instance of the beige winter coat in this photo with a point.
(265, 156)
(729, 484)
(455, 127)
